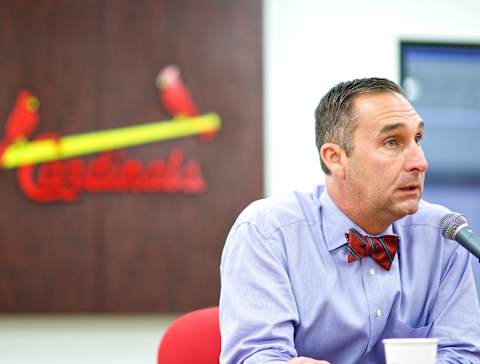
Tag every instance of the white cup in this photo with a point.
(411, 351)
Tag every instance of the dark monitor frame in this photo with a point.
(432, 44)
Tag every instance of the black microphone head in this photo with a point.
(449, 224)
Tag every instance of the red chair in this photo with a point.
(193, 338)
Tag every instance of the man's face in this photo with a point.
(386, 170)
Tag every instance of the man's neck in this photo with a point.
(368, 222)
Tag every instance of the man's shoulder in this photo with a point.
(428, 214)
(281, 210)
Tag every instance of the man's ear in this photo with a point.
(334, 158)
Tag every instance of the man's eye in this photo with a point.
(418, 138)
(391, 143)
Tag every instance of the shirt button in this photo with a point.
(372, 271)
(378, 313)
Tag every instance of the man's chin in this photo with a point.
(413, 209)
(406, 208)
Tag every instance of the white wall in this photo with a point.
(81, 339)
(310, 45)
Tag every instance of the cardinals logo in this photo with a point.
(48, 171)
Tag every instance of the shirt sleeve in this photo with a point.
(257, 307)
(456, 312)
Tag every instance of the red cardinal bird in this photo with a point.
(175, 96)
(22, 121)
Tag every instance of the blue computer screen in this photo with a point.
(442, 81)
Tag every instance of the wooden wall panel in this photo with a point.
(48, 254)
(93, 65)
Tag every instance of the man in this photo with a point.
(324, 277)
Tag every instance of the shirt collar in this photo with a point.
(335, 223)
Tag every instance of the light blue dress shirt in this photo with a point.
(288, 290)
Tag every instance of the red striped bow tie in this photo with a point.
(382, 249)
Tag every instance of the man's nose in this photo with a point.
(416, 159)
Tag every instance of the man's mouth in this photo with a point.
(411, 188)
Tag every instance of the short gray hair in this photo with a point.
(334, 119)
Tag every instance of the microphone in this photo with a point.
(454, 226)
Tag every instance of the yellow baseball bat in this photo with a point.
(39, 151)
